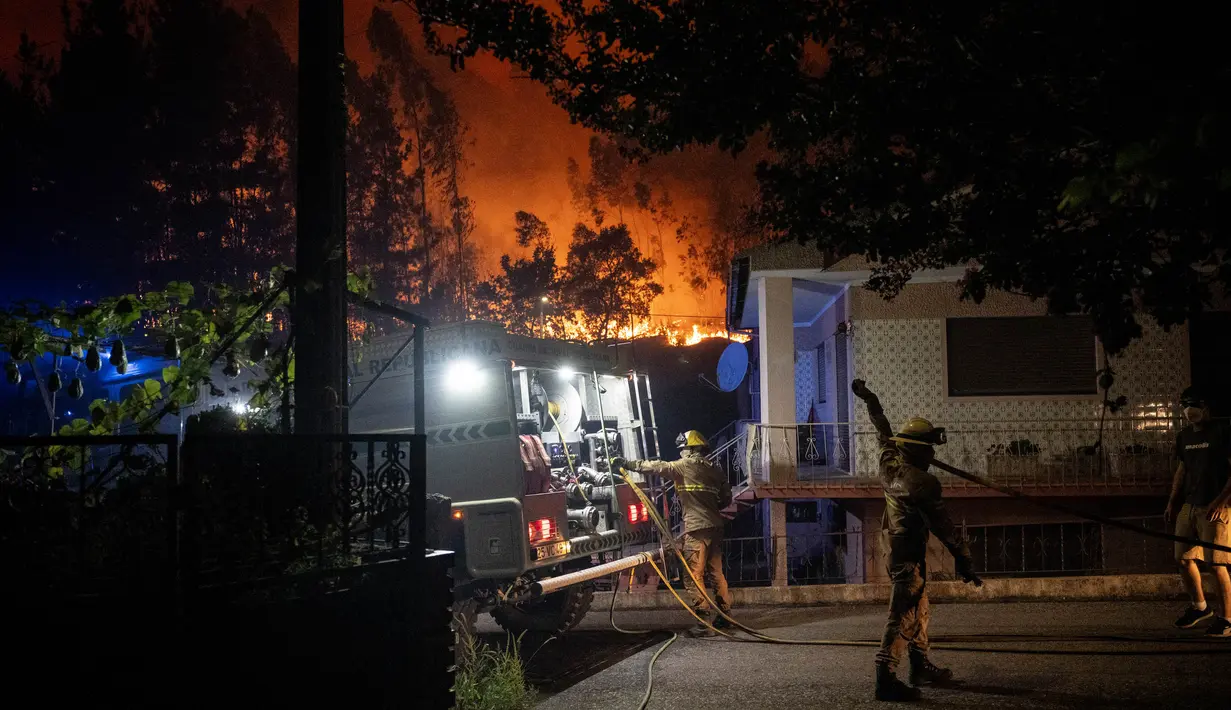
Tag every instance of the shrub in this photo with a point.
(489, 678)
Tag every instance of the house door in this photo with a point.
(1209, 349)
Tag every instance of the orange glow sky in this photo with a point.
(521, 142)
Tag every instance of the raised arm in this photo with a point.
(875, 412)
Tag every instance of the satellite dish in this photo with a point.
(732, 367)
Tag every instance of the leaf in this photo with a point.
(170, 373)
(180, 292)
(152, 388)
(1076, 193)
(1131, 157)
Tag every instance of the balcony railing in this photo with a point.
(1131, 453)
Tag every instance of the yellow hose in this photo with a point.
(760, 637)
(567, 456)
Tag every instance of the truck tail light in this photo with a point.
(542, 530)
(637, 513)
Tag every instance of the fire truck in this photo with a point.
(519, 433)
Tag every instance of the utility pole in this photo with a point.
(319, 318)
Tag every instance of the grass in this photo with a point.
(489, 678)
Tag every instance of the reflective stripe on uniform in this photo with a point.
(698, 488)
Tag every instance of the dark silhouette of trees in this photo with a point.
(606, 280)
(158, 144)
(1075, 153)
(514, 295)
(604, 284)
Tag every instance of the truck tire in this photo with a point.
(463, 624)
(554, 614)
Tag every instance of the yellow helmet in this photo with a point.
(691, 439)
(919, 431)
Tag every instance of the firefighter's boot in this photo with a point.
(888, 687)
(701, 630)
(924, 672)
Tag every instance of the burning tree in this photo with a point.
(604, 284)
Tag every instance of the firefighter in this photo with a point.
(703, 491)
(913, 507)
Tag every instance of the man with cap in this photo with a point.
(913, 508)
(1201, 493)
(703, 492)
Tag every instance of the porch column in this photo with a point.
(776, 339)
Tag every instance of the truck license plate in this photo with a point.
(548, 551)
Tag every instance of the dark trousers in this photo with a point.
(907, 626)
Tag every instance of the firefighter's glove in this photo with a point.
(618, 463)
(965, 570)
(860, 388)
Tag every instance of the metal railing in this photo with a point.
(820, 558)
(1060, 453)
(1068, 549)
(120, 515)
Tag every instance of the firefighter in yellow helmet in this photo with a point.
(703, 492)
(913, 508)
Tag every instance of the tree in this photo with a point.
(514, 296)
(157, 143)
(429, 122)
(606, 281)
(1074, 153)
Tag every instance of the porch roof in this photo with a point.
(817, 281)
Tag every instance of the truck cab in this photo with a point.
(519, 434)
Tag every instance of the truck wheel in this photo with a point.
(555, 613)
(464, 631)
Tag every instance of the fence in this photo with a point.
(257, 553)
(822, 558)
(1123, 452)
(1065, 549)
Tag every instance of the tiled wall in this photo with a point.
(904, 362)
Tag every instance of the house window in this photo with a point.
(1008, 357)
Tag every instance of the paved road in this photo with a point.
(1153, 666)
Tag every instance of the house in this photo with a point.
(1016, 389)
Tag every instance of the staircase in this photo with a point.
(730, 458)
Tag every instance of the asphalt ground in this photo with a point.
(1082, 655)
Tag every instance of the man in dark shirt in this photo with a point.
(1202, 493)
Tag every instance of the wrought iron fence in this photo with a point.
(1071, 548)
(273, 506)
(1121, 452)
(119, 514)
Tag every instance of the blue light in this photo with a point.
(68, 413)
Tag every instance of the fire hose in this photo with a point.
(760, 637)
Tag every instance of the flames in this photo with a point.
(677, 334)
(677, 337)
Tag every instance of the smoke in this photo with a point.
(519, 144)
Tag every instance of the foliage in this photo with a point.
(606, 280)
(514, 296)
(491, 679)
(1073, 153)
(235, 324)
(157, 144)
